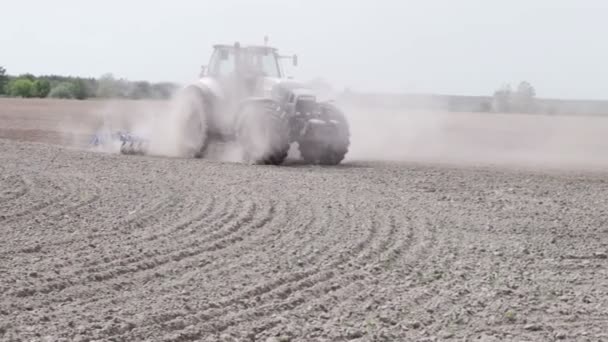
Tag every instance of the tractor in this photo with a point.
(243, 95)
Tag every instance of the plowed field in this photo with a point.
(105, 247)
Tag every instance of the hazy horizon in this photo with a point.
(471, 47)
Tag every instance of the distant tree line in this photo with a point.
(520, 100)
(80, 88)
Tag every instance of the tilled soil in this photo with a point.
(127, 248)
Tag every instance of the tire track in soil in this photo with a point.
(71, 201)
(148, 221)
(148, 224)
(479, 269)
(162, 205)
(220, 236)
(143, 218)
(248, 244)
(427, 250)
(34, 205)
(284, 288)
(326, 285)
(246, 220)
(70, 208)
(69, 288)
(165, 318)
(117, 265)
(213, 221)
(439, 252)
(327, 219)
(388, 258)
(12, 187)
(401, 260)
(427, 293)
(551, 310)
(26, 238)
(221, 231)
(220, 257)
(321, 291)
(195, 218)
(91, 191)
(294, 233)
(238, 246)
(265, 236)
(544, 331)
(348, 299)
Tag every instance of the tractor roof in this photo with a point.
(248, 47)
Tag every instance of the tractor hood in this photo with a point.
(281, 90)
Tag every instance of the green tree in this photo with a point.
(524, 98)
(3, 80)
(485, 107)
(79, 88)
(41, 88)
(502, 99)
(63, 90)
(162, 90)
(140, 90)
(28, 77)
(90, 86)
(526, 89)
(21, 87)
(521, 100)
(107, 87)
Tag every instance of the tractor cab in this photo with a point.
(245, 71)
(250, 61)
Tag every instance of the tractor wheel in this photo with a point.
(262, 131)
(331, 148)
(319, 153)
(189, 131)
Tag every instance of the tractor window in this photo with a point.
(222, 63)
(270, 66)
(264, 64)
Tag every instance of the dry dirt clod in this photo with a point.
(415, 325)
(600, 255)
(227, 338)
(533, 327)
(352, 334)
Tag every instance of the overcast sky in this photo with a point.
(467, 47)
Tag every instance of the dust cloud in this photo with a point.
(477, 138)
(173, 132)
(381, 134)
(167, 128)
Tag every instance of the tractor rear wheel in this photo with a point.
(330, 147)
(262, 132)
(189, 131)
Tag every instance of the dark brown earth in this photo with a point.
(104, 247)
